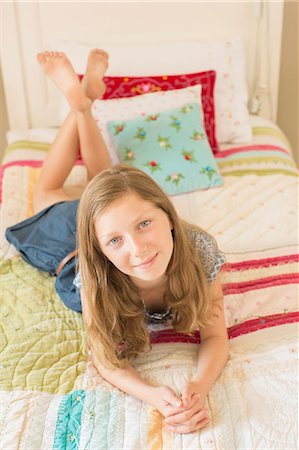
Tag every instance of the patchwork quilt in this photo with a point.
(51, 395)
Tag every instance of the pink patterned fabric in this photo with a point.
(119, 87)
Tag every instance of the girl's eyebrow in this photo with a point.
(115, 233)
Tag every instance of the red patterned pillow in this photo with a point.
(118, 87)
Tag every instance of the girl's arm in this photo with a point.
(213, 349)
(128, 380)
(212, 357)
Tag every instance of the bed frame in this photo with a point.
(29, 27)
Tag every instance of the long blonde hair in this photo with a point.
(115, 320)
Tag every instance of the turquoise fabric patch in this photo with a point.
(171, 146)
(68, 426)
(90, 420)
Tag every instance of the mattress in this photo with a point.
(52, 396)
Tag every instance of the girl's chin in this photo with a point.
(148, 277)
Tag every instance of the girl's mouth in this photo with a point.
(149, 262)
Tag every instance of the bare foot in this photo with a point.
(92, 81)
(59, 69)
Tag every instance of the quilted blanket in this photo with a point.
(51, 395)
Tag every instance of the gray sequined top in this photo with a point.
(212, 258)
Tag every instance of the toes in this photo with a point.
(99, 51)
(41, 57)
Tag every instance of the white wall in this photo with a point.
(159, 24)
(29, 27)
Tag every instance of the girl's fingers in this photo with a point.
(202, 423)
(201, 416)
(186, 397)
(186, 414)
(170, 397)
(195, 424)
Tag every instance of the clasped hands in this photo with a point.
(182, 415)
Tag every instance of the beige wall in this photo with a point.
(288, 99)
(3, 119)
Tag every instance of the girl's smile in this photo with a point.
(148, 263)
(136, 237)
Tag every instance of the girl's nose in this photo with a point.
(138, 245)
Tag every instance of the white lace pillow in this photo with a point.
(122, 109)
(227, 58)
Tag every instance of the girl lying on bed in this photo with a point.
(139, 264)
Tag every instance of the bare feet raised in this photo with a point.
(92, 81)
(59, 69)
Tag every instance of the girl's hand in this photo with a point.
(189, 390)
(194, 416)
(166, 401)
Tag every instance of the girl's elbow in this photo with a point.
(226, 350)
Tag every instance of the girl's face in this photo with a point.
(136, 237)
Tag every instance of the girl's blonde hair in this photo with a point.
(114, 316)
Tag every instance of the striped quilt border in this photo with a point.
(262, 165)
(249, 326)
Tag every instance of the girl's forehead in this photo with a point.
(127, 199)
(125, 207)
(125, 212)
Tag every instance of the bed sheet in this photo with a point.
(52, 397)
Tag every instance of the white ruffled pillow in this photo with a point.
(226, 57)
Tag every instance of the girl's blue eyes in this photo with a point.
(116, 240)
(145, 223)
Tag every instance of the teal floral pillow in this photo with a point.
(171, 146)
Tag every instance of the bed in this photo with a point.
(52, 396)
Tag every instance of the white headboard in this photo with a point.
(29, 27)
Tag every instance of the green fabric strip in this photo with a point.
(31, 145)
(68, 426)
(241, 173)
(257, 131)
(258, 159)
(87, 420)
(94, 420)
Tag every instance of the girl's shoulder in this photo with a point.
(207, 248)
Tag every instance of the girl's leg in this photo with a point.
(64, 150)
(59, 161)
(93, 149)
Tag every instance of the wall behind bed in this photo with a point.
(29, 27)
(288, 99)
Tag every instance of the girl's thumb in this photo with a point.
(172, 398)
(186, 397)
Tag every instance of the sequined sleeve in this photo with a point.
(211, 257)
(77, 281)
